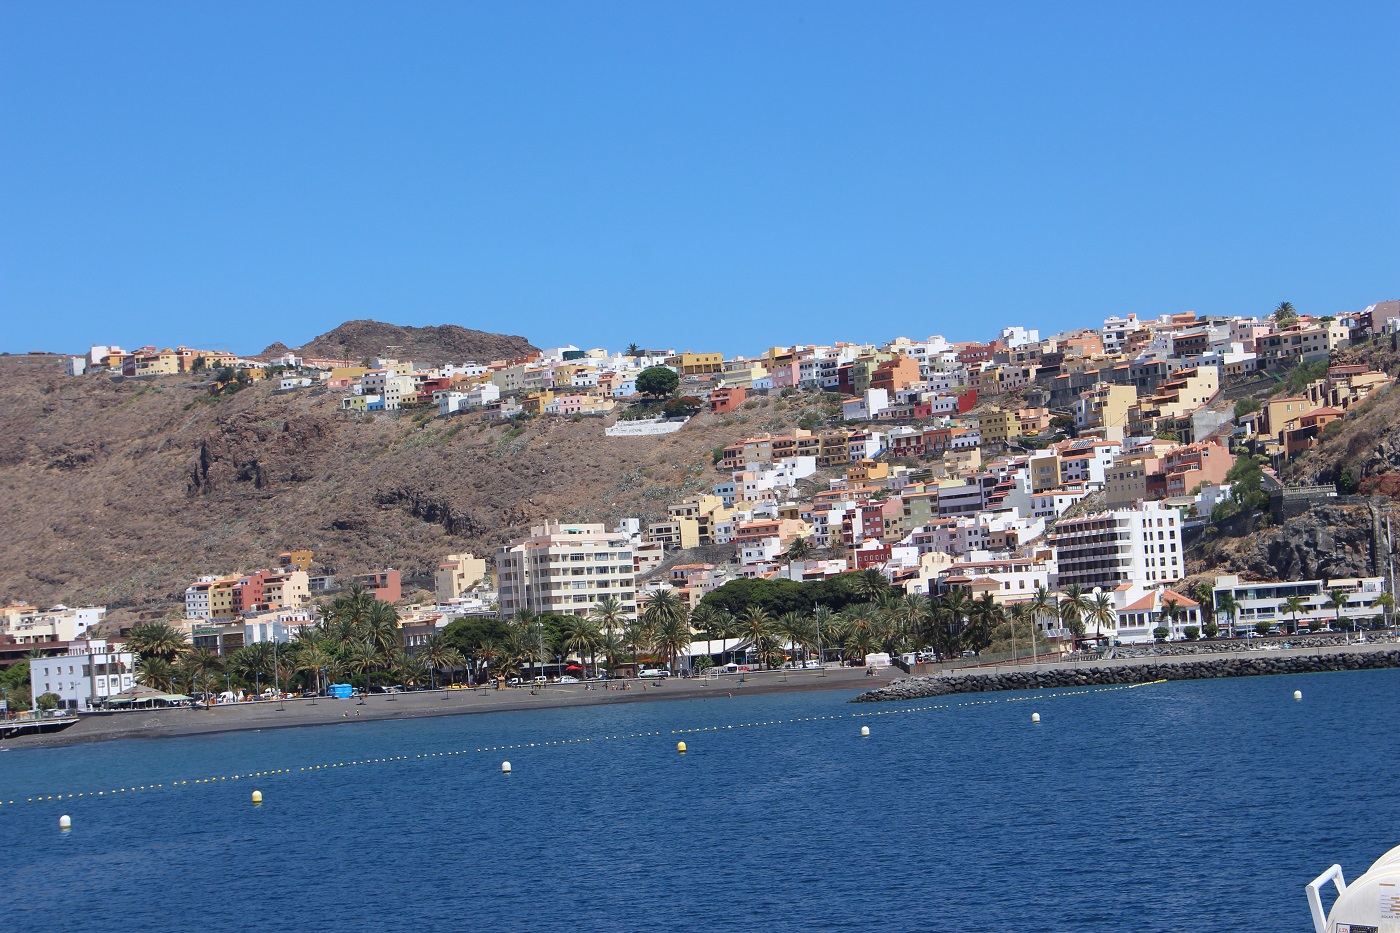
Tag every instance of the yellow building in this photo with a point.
(997, 426)
(864, 471)
(696, 364)
(456, 574)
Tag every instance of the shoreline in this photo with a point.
(326, 711)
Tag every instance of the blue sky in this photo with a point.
(707, 175)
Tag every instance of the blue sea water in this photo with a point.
(1167, 807)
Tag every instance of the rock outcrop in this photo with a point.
(448, 343)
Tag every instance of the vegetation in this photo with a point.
(1284, 314)
(1247, 406)
(658, 381)
(1246, 479)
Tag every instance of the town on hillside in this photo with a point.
(1028, 495)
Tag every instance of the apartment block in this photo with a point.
(566, 569)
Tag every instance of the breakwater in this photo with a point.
(1103, 675)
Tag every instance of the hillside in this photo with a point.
(433, 346)
(121, 491)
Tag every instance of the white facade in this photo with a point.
(89, 671)
(1121, 546)
(59, 624)
(567, 570)
(1262, 602)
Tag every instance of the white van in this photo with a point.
(650, 672)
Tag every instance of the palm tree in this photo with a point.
(756, 626)
(868, 583)
(985, 616)
(706, 618)
(310, 657)
(1337, 600)
(1284, 314)
(155, 672)
(633, 350)
(1204, 596)
(796, 629)
(1171, 612)
(198, 664)
(800, 548)
(610, 616)
(1292, 606)
(673, 639)
(434, 653)
(581, 635)
(156, 639)
(664, 610)
(1074, 609)
(1042, 604)
(822, 618)
(361, 656)
(1102, 613)
(1225, 605)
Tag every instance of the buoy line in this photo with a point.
(619, 737)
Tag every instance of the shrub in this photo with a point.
(1161, 633)
(47, 701)
(1192, 632)
(1211, 629)
(1262, 628)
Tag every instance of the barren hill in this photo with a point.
(122, 491)
(448, 343)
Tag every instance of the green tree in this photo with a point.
(1284, 314)
(1102, 614)
(1292, 606)
(1161, 633)
(632, 350)
(1226, 606)
(1262, 627)
(1247, 406)
(1191, 632)
(658, 381)
(1337, 600)
(156, 639)
(48, 701)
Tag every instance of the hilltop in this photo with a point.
(432, 346)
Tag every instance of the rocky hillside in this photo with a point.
(448, 343)
(121, 491)
(1326, 542)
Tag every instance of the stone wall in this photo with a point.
(917, 688)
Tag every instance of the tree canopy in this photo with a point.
(658, 381)
(776, 597)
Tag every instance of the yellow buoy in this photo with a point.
(680, 747)
(257, 797)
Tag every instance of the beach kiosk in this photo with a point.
(340, 691)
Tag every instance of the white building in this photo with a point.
(1263, 602)
(566, 570)
(1121, 546)
(89, 671)
(59, 624)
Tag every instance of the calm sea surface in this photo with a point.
(1167, 807)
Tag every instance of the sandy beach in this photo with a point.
(162, 723)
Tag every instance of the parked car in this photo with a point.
(568, 679)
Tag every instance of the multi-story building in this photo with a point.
(1264, 602)
(32, 626)
(566, 570)
(456, 573)
(1110, 548)
(696, 364)
(90, 671)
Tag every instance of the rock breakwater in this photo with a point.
(917, 688)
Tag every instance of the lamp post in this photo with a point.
(276, 670)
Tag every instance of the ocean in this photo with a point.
(1163, 807)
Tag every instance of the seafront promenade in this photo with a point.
(270, 714)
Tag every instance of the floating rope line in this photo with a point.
(553, 743)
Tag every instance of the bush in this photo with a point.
(1192, 632)
(1161, 633)
(1211, 629)
(1315, 625)
(48, 701)
(1262, 628)
(1247, 405)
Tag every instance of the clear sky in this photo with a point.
(692, 175)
